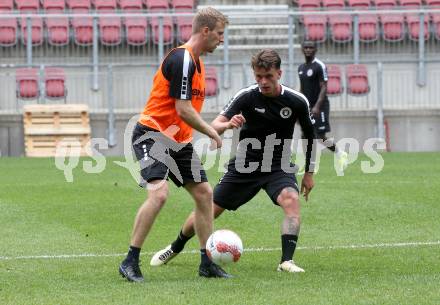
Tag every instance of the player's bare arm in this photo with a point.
(307, 185)
(321, 97)
(186, 111)
(221, 123)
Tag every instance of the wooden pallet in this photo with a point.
(48, 127)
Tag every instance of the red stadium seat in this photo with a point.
(55, 83)
(110, 30)
(27, 83)
(413, 22)
(57, 30)
(368, 28)
(83, 30)
(436, 25)
(27, 5)
(393, 27)
(79, 5)
(8, 32)
(359, 4)
(36, 30)
(357, 79)
(6, 5)
(211, 81)
(136, 29)
(433, 3)
(309, 4)
(411, 3)
(334, 83)
(341, 27)
(158, 6)
(130, 5)
(315, 28)
(105, 5)
(184, 28)
(183, 5)
(333, 4)
(385, 4)
(54, 5)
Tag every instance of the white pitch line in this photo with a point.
(312, 248)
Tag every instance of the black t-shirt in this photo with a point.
(270, 122)
(179, 68)
(310, 76)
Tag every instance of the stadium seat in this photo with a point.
(413, 22)
(79, 5)
(211, 81)
(411, 3)
(334, 83)
(55, 83)
(27, 83)
(433, 3)
(315, 27)
(105, 5)
(130, 5)
(36, 31)
(392, 27)
(57, 30)
(54, 5)
(8, 32)
(83, 30)
(385, 4)
(110, 30)
(341, 28)
(309, 4)
(158, 6)
(27, 5)
(333, 4)
(183, 23)
(368, 28)
(6, 5)
(359, 4)
(436, 25)
(357, 79)
(136, 29)
(185, 5)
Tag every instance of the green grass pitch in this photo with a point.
(365, 239)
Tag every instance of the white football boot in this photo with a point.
(289, 266)
(163, 256)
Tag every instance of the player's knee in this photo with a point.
(289, 196)
(203, 194)
(160, 197)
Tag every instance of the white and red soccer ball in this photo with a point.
(224, 246)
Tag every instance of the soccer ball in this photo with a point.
(224, 246)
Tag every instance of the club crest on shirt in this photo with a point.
(309, 72)
(285, 112)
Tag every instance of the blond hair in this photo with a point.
(208, 17)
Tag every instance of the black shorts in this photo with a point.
(162, 158)
(322, 123)
(235, 189)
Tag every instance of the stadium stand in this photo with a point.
(105, 5)
(368, 28)
(28, 5)
(183, 23)
(57, 30)
(8, 32)
(55, 83)
(315, 27)
(334, 83)
(309, 4)
(110, 31)
(211, 80)
(79, 5)
(36, 31)
(6, 5)
(136, 30)
(83, 30)
(359, 4)
(357, 79)
(156, 6)
(27, 87)
(53, 5)
(130, 5)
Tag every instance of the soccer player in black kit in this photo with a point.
(313, 79)
(267, 112)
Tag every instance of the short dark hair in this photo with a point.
(267, 58)
(308, 43)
